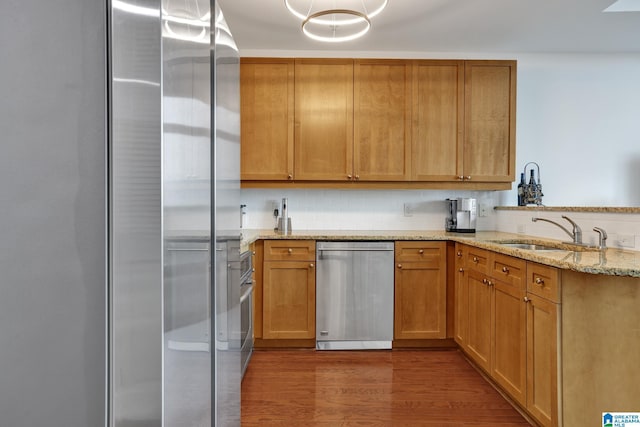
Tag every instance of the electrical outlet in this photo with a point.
(626, 240)
(483, 210)
(407, 210)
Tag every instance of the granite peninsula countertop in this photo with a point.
(613, 262)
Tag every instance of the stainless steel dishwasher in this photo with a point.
(354, 295)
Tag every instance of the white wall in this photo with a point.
(577, 117)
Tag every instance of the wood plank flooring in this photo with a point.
(370, 388)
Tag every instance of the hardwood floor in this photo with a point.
(372, 388)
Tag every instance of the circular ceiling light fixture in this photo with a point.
(322, 20)
(336, 25)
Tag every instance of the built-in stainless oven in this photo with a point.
(246, 308)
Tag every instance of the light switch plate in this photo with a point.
(483, 210)
(407, 210)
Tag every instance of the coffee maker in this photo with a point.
(462, 214)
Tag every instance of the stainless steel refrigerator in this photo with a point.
(120, 214)
(175, 220)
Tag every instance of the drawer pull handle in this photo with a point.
(475, 259)
(505, 270)
(459, 253)
(399, 265)
(289, 250)
(539, 281)
(421, 251)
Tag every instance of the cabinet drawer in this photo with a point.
(419, 251)
(477, 259)
(289, 250)
(509, 270)
(543, 281)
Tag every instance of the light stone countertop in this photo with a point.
(612, 261)
(594, 209)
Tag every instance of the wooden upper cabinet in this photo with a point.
(267, 102)
(324, 119)
(382, 114)
(490, 117)
(438, 108)
(389, 121)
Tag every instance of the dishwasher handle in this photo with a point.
(355, 246)
(355, 250)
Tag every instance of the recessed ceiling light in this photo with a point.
(624, 6)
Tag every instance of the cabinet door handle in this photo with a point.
(468, 177)
(526, 299)
(349, 177)
(459, 253)
(461, 270)
(399, 265)
(460, 177)
(357, 177)
(475, 259)
(505, 270)
(310, 265)
(490, 283)
(539, 281)
(485, 281)
(289, 177)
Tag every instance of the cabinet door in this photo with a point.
(438, 107)
(542, 360)
(420, 300)
(461, 299)
(324, 119)
(266, 120)
(289, 305)
(489, 131)
(509, 336)
(480, 309)
(382, 114)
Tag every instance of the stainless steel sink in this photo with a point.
(530, 246)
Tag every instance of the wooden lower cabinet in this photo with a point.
(289, 298)
(542, 360)
(289, 290)
(509, 333)
(420, 291)
(510, 342)
(480, 306)
(461, 298)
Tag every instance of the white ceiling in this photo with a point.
(485, 26)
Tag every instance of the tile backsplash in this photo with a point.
(623, 229)
(360, 209)
(423, 210)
